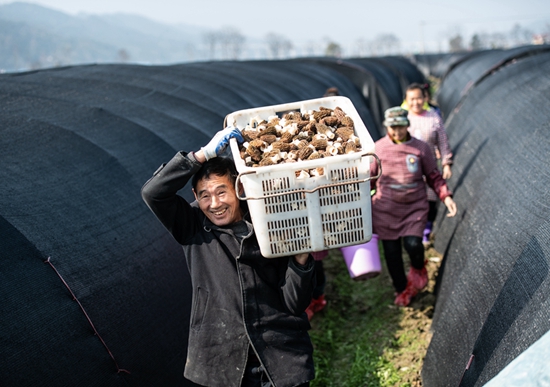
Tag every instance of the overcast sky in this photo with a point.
(414, 22)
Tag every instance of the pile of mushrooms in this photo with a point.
(297, 137)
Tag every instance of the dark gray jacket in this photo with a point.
(238, 299)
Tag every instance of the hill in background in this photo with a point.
(32, 37)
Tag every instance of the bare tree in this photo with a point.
(361, 47)
(498, 40)
(456, 43)
(212, 40)
(520, 35)
(475, 43)
(333, 49)
(310, 48)
(232, 43)
(278, 45)
(122, 56)
(385, 44)
(546, 34)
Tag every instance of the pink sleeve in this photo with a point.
(438, 184)
(434, 179)
(443, 143)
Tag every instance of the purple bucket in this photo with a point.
(363, 261)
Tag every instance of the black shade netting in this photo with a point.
(473, 69)
(407, 71)
(426, 63)
(494, 285)
(449, 61)
(374, 95)
(76, 145)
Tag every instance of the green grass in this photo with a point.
(358, 338)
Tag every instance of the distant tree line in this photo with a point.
(229, 43)
(23, 47)
(517, 36)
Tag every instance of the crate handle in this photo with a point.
(309, 190)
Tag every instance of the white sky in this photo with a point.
(343, 21)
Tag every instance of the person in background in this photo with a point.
(318, 301)
(428, 96)
(400, 204)
(427, 126)
(428, 104)
(248, 326)
(332, 92)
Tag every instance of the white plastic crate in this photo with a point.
(296, 215)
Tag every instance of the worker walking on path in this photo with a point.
(400, 204)
(427, 126)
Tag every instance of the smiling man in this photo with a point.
(248, 323)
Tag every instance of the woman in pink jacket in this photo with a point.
(400, 204)
(427, 125)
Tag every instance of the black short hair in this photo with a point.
(220, 166)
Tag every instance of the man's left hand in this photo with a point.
(219, 142)
(301, 258)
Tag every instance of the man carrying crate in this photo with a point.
(248, 326)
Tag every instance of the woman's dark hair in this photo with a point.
(416, 86)
(220, 166)
(424, 87)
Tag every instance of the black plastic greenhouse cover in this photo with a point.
(426, 63)
(393, 74)
(447, 63)
(382, 81)
(76, 145)
(408, 72)
(388, 78)
(493, 299)
(373, 93)
(473, 69)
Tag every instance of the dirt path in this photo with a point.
(414, 334)
(362, 339)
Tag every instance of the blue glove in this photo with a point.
(219, 142)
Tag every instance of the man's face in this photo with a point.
(415, 100)
(397, 133)
(218, 200)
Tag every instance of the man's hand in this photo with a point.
(219, 142)
(301, 258)
(447, 173)
(451, 206)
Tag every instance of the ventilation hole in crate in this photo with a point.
(343, 227)
(341, 194)
(271, 186)
(285, 203)
(289, 235)
(344, 174)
